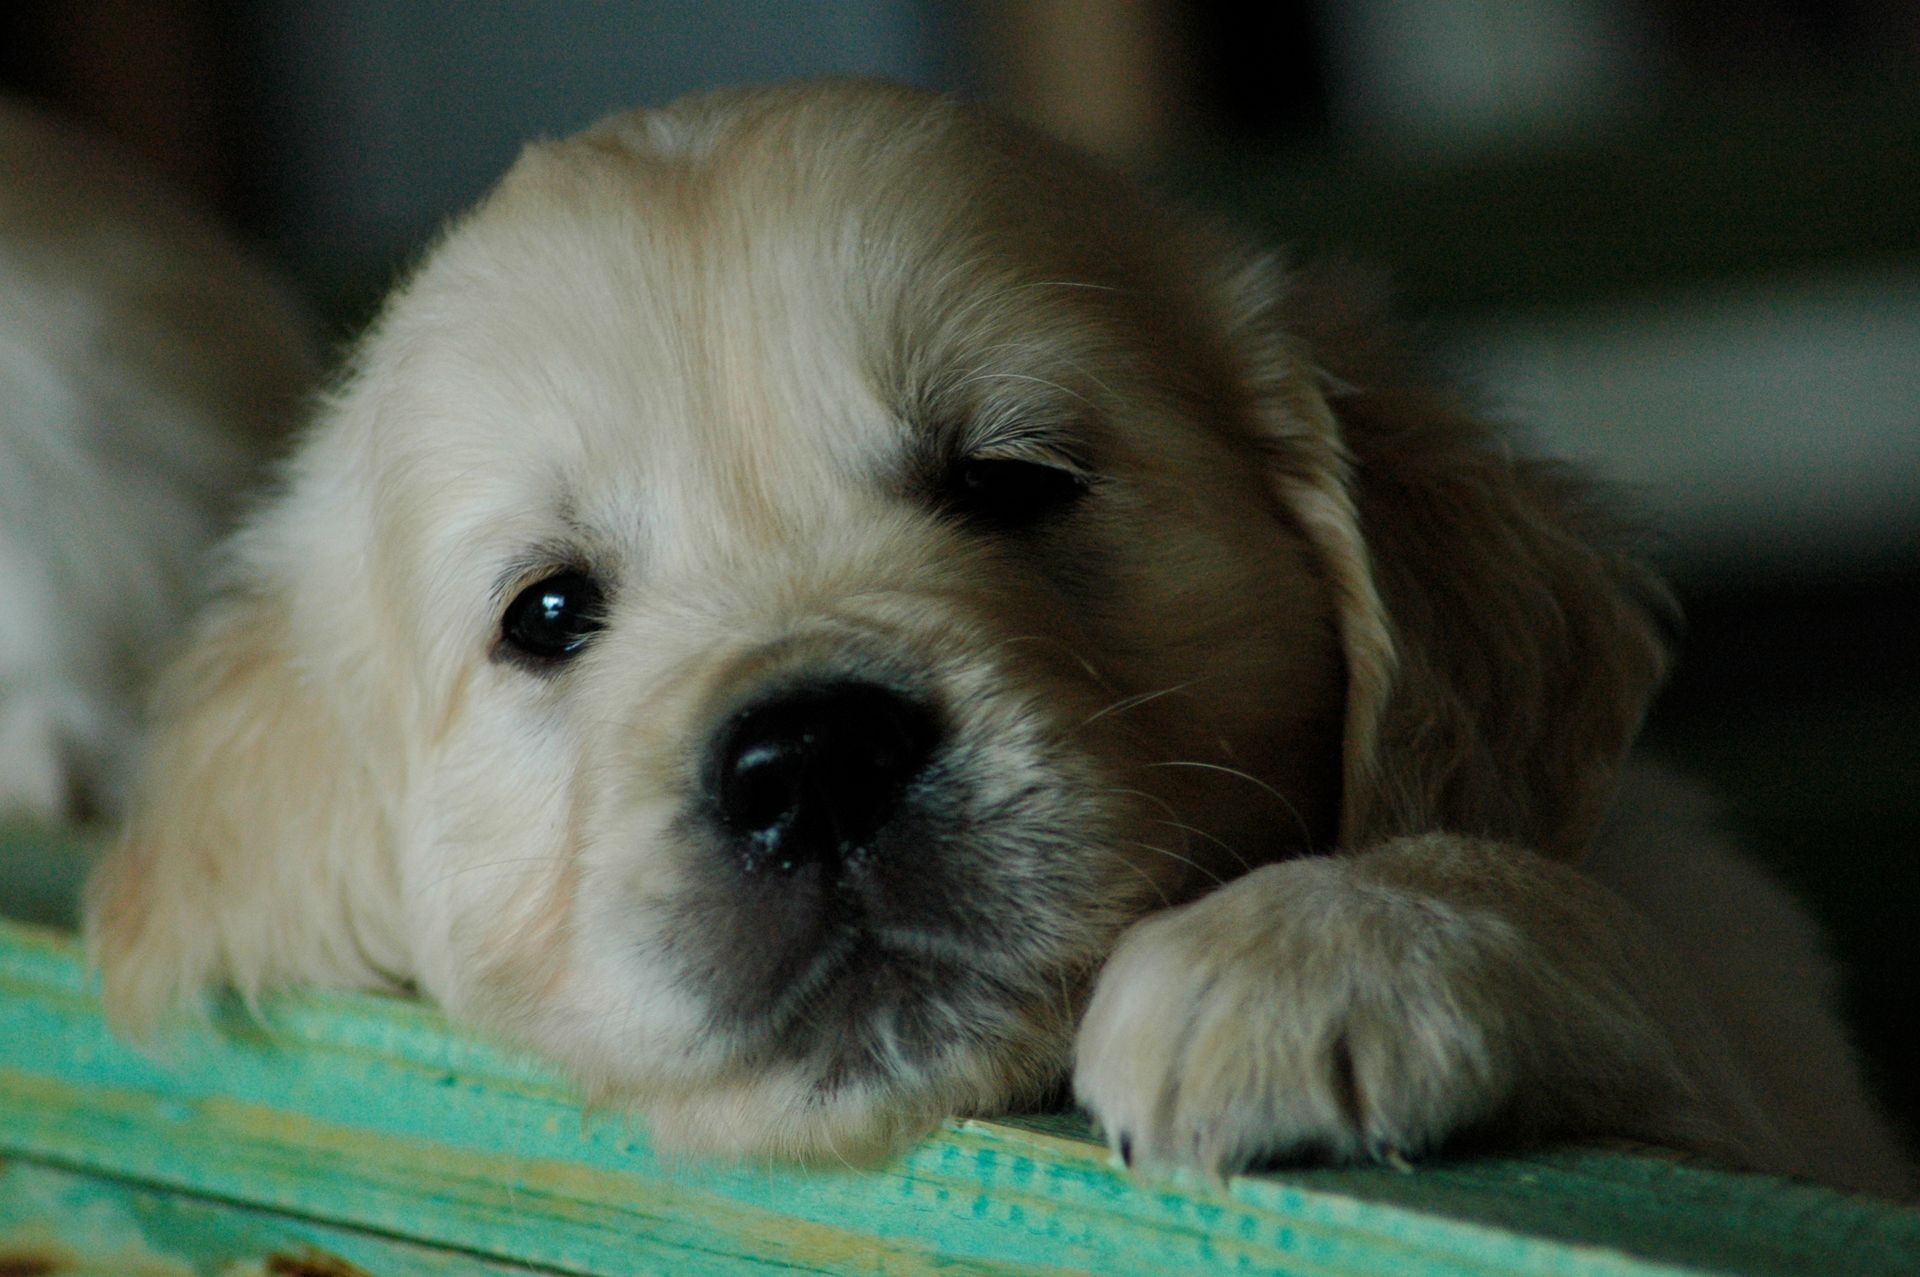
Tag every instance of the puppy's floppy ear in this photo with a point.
(1501, 648)
(252, 837)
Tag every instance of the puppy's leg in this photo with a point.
(1760, 962)
(1375, 1004)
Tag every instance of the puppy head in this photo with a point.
(785, 583)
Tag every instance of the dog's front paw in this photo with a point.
(1310, 1008)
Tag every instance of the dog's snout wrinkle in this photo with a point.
(809, 775)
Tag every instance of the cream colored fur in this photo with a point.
(1314, 652)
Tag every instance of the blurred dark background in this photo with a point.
(1678, 240)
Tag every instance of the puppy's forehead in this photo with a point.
(765, 300)
(605, 319)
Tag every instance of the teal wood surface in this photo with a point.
(351, 1120)
(54, 1221)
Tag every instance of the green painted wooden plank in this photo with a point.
(77, 1225)
(369, 1114)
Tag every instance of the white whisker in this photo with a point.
(1126, 703)
(1190, 863)
(1306, 833)
(1221, 843)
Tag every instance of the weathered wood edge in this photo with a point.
(366, 1113)
(57, 1221)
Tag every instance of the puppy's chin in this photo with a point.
(848, 1053)
(787, 1115)
(850, 1088)
(881, 1048)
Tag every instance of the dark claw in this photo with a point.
(1126, 1150)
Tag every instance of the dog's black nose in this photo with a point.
(811, 774)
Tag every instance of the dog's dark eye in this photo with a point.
(554, 619)
(1005, 492)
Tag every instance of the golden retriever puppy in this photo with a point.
(143, 360)
(819, 609)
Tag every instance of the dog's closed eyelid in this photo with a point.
(1035, 450)
(1010, 493)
